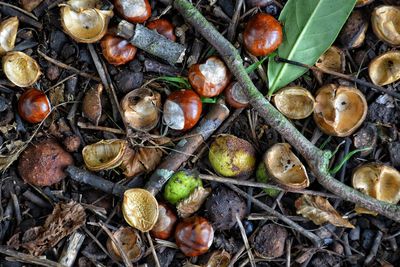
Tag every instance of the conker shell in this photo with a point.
(294, 102)
(130, 241)
(385, 69)
(180, 186)
(385, 22)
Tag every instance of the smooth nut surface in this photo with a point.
(361, 3)
(165, 224)
(385, 69)
(140, 209)
(386, 24)
(285, 168)
(104, 155)
(43, 164)
(33, 106)
(135, 11)
(294, 102)
(116, 50)
(163, 27)
(235, 97)
(141, 109)
(130, 241)
(378, 181)
(339, 110)
(20, 69)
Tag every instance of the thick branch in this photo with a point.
(317, 159)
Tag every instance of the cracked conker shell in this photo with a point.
(140, 209)
(194, 236)
(8, 34)
(332, 59)
(285, 168)
(385, 22)
(165, 224)
(294, 102)
(262, 35)
(130, 241)
(163, 27)
(222, 207)
(353, 32)
(339, 110)
(33, 106)
(210, 78)
(379, 181)
(141, 109)
(182, 110)
(235, 97)
(385, 69)
(105, 154)
(117, 50)
(180, 186)
(135, 11)
(20, 69)
(43, 164)
(231, 156)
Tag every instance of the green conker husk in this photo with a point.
(180, 186)
(262, 177)
(231, 156)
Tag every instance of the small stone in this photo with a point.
(394, 152)
(57, 40)
(127, 81)
(52, 72)
(135, 66)
(324, 259)
(68, 50)
(270, 240)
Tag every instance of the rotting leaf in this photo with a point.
(64, 220)
(320, 211)
(310, 28)
(193, 203)
(13, 154)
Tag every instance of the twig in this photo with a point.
(67, 67)
(340, 75)
(235, 19)
(22, 257)
(374, 248)
(23, 16)
(312, 237)
(153, 250)
(245, 241)
(288, 251)
(17, 210)
(236, 256)
(317, 159)
(70, 251)
(88, 126)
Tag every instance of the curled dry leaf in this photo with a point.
(320, 211)
(8, 33)
(193, 203)
(64, 220)
(91, 105)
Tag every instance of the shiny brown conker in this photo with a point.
(235, 97)
(33, 106)
(116, 50)
(182, 110)
(262, 35)
(165, 223)
(135, 11)
(163, 27)
(194, 236)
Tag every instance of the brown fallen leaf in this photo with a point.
(320, 211)
(91, 104)
(193, 203)
(65, 219)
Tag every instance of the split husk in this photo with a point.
(386, 24)
(294, 102)
(20, 69)
(104, 155)
(385, 69)
(8, 33)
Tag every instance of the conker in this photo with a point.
(235, 96)
(33, 106)
(182, 110)
(194, 236)
(231, 156)
(163, 27)
(210, 78)
(262, 35)
(43, 164)
(165, 223)
(135, 11)
(116, 50)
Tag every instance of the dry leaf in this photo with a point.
(219, 259)
(13, 154)
(320, 211)
(91, 104)
(65, 219)
(193, 203)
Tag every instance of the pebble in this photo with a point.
(127, 81)
(57, 40)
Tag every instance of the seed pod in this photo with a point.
(8, 33)
(91, 104)
(86, 25)
(20, 69)
(140, 209)
(33, 106)
(285, 168)
(130, 241)
(104, 155)
(294, 102)
(339, 110)
(269, 241)
(231, 156)
(385, 22)
(385, 69)
(141, 109)
(353, 32)
(378, 181)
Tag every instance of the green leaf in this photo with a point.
(209, 100)
(346, 158)
(255, 65)
(310, 28)
(179, 82)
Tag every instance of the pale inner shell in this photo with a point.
(173, 115)
(133, 8)
(214, 70)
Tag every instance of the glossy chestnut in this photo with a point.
(116, 50)
(262, 35)
(135, 11)
(194, 236)
(210, 78)
(33, 106)
(182, 110)
(163, 27)
(165, 223)
(235, 97)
